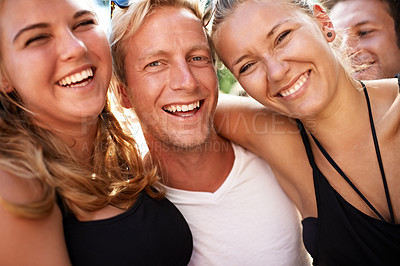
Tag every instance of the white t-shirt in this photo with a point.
(248, 221)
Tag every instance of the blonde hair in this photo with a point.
(116, 174)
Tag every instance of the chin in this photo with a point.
(189, 141)
(192, 142)
(307, 113)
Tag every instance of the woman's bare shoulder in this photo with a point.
(19, 190)
(385, 98)
(384, 90)
(28, 241)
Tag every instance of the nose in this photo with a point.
(277, 68)
(71, 47)
(182, 77)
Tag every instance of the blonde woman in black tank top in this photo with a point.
(331, 140)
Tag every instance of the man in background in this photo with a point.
(371, 32)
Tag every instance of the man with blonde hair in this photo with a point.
(236, 210)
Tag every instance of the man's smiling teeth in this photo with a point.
(76, 78)
(299, 83)
(182, 108)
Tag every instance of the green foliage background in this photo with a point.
(226, 80)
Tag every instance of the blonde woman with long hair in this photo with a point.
(64, 158)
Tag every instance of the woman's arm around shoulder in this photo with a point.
(250, 124)
(28, 241)
(273, 137)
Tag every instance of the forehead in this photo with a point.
(233, 37)
(351, 13)
(269, 14)
(24, 10)
(169, 28)
(19, 13)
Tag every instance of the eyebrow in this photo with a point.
(201, 46)
(31, 27)
(195, 47)
(46, 25)
(81, 13)
(276, 27)
(150, 55)
(362, 23)
(270, 33)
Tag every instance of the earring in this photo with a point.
(329, 34)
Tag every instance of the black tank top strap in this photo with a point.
(378, 152)
(306, 143)
(316, 172)
(398, 79)
(339, 170)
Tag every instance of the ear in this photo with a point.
(123, 96)
(324, 22)
(5, 86)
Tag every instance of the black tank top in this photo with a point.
(152, 232)
(343, 235)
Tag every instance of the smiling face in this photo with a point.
(370, 34)
(60, 65)
(171, 80)
(284, 61)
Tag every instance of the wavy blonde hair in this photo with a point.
(116, 174)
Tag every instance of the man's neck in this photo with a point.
(204, 168)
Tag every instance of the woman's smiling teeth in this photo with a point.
(299, 83)
(76, 79)
(182, 108)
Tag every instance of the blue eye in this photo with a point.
(155, 63)
(200, 59)
(197, 58)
